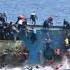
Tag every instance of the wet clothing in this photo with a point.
(48, 53)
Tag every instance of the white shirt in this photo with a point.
(20, 22)
(33, 13)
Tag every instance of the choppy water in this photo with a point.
(59, 9)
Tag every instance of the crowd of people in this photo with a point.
(8, 31)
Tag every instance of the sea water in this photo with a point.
(58, 9)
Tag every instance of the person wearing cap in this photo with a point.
(33, 18)
(48, 55)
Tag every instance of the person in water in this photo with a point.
(48, 51)
(48, 55)
(33, 36)
(33, 18)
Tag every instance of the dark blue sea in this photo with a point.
(59, 9)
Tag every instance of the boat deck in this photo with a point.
(56, 34)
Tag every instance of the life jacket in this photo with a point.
(57, 51)
(66, 41)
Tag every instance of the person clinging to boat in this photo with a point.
(48, 52)
(33, 18)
